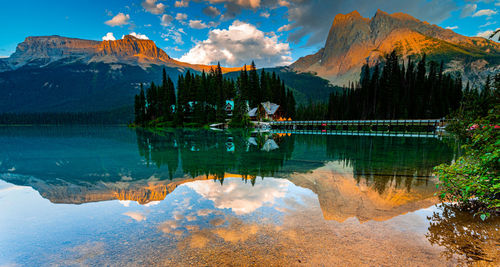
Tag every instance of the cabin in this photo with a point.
(229, 107)
(253, 114)
(266, 110)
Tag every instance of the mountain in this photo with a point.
(354, 40)
(40, 51)
(60, 74)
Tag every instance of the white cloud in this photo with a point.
(211, 11)
(488, 24)
(182, 3)
(197, 24)
(265, 14)
(138, 36)
(181, 16)
(118, 20)
(468, 10)
(284, 28)
(283, 3)
(485, 34)
(109, 37)
(484, 12)
(152, 203)
(312, 19)
(241, 198)
(125, 203)
(135, 215)
(244, 3)
(166, 20)
(152, 7)
(452, 27)
(173, 34)
(239, 44)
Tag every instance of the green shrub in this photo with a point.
(475, 176)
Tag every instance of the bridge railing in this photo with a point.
(414, 125)
(332, 122)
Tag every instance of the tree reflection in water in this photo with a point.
(460, 233)
(380, 161)
(212, 153)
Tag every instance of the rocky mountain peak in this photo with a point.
(131, 46)
(353, 40)
(342, 19)
(42, 50)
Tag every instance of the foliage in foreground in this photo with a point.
(474, 178)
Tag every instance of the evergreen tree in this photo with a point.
(254, 86)
(398, 93)
(420, 88)
(140, 108)
(221, 97)
(290, 105)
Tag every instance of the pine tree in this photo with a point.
(290, 105)
(254, 86)
(486, 96)
(420, 89)
(221, 97)
(240, 117)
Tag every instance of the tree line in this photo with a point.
(390, 90)
(394, 91)
(201, 98)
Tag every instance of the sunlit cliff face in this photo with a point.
(353, 39)
(128, 50)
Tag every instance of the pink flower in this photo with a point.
(473, 127)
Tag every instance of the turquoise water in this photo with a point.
(114, 196)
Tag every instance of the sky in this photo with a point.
(233, 32)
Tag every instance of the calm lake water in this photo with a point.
(119, 196)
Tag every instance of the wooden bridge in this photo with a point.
(360, 133)
(360, 125)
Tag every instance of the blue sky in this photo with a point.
(273, 32)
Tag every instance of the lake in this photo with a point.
(87, 195)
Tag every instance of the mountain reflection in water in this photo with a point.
(371, 178)
(189, 197)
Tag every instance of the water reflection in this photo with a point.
(215, 153)
(199, 198)
(370, 178)
(461, 233)
(380, 160)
